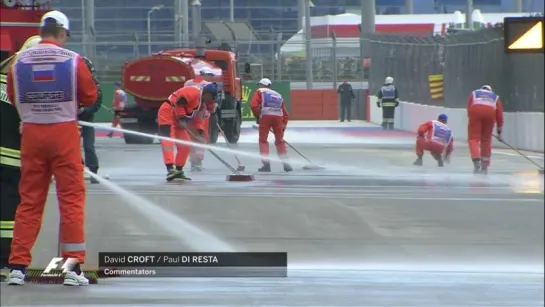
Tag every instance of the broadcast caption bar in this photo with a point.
(137, 264)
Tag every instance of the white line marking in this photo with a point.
(322, 195)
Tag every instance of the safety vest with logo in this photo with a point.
(486, 98)
(45, 80)
(388, 98)
(441, 133)
(271, 102)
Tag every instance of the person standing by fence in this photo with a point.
(388, 99)
(346, 95)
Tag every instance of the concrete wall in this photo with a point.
(523, 130)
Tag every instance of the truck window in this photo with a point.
(221, 64)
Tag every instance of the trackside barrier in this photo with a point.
(523, 130)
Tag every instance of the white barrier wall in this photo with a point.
(523, 130)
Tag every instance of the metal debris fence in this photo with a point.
(466, 60)
(462, 62)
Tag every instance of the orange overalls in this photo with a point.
(434, 136)
(165, 118)
(119, 103)
(51, 82)
(484, 110)
(199, 126)
(186, 102)
(269, 107)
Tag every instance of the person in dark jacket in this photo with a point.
(10, 159)
(346, 95)
(388, 100)
(87, 114)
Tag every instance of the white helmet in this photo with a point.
(206, 71)
(265, 82)
(389, 80)
(30, 42)
(486, 88)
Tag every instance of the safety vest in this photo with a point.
(487, 98)
(122, 102)
(441, 133)
(45, 77)
(388, 96)
(271, 102)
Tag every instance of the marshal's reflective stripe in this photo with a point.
(8, 152)
(73, 247)
(7, 224)
(10, 161)
(7, 234)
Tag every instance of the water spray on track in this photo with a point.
(189, 234)
(373, 171)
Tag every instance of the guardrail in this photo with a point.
(523, 130)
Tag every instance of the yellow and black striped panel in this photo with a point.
(436, 86)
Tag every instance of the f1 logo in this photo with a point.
(67, 266)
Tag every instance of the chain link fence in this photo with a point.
(266, 57)
(464, 61)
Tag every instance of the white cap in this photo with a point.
(265, 81)
(31, 42)
(62, 20)
(389, 80)
(486, 88)
(206, 71)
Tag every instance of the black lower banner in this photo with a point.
(194, 272)
(173, 264)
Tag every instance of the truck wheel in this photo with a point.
(213, 131)
(232, 128)
(131, 139)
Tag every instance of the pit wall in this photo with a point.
(523, 130)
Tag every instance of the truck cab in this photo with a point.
(150, 80)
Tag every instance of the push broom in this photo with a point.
(236, 176)
(240, 167)
(540, 168)
(310, 166)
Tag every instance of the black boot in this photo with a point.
(440, 161)
(287, 168)
(476, 166)
(391, 126)
(177, 175)
(484, 170)
(384, 125)
(111, 134)
(94, 170)
(170, 168)
(418, 161)
(266, 168)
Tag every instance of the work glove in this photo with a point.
(257, 120)
(81, 110)
(378, 104)
(499, 130)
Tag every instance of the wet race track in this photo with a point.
(369, 230)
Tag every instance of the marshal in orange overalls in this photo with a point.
(47, 85)
(484, 110)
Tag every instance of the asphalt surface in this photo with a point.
(369, 230)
